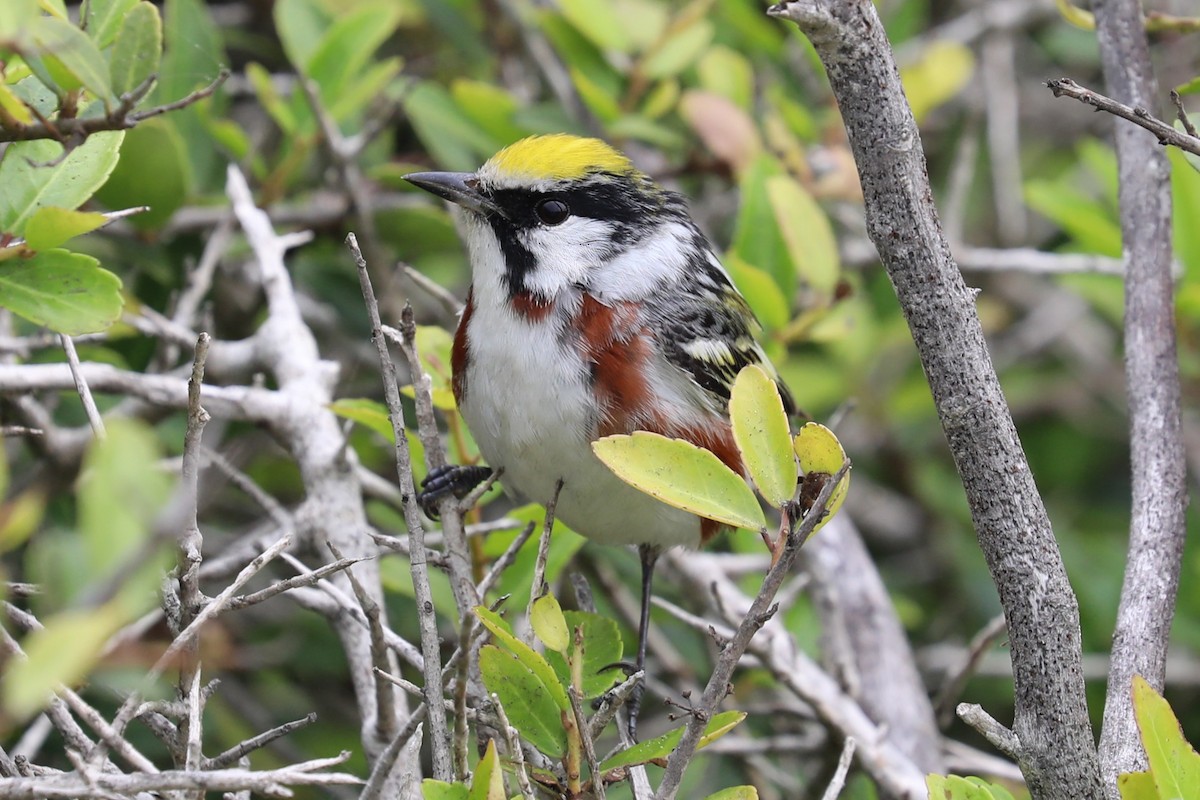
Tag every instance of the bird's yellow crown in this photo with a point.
(555, 157)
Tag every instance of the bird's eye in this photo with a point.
(552, 212)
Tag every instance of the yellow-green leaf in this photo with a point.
(138, 49)
(1173, 763)
(760, 428)
(63, 652)
(546, 617)
(1078, 17)
(682, 475)
(527, 699)
(820, 453)
(1137, 786)
(488, 781)
(441, 790)
(941, 72)
(67, 292)
(526, 655)
(735, 793)
(662, 746)
(14, 106)
(51, 226)
(806, 233)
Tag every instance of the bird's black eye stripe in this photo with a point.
(552, 211)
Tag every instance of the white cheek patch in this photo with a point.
(642, 269)
(567, 255)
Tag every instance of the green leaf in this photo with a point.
(369, 413)
(761, 292)
(71, 58)
(1189, 87)
(63, 652)
(760, 428)
(942, 71)
(1185, 207)
(488, 781)
(20, 516)
(735, 793)
(682, 475)
(600, 21)
(526, 699)
(546, 618)
(821, 454)
(1088, 222)
(104, 18)
(301, 24)
(15, 18)
(452, 138)
(1137, 786)
(756, 236)
(440, 790)
(728, 73)
(662, 746)
(138, 48)
(491, 107)
(1173, 763)
(37, 174)
(122, 490)
(528, 657)
(51, 226)
(602, 647)
(600, 102)
(676, 53)
(14, 106)
(67, 292)
(155, 147)
(954, 787)
(347, 46)
(1084, 20)
(807, 234)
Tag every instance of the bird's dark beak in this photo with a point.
(460, 188)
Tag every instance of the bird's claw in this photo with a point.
(451, 480)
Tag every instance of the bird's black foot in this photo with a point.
(453, 480)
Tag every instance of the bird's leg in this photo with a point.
(649, 555)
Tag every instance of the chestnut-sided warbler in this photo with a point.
(596, 307)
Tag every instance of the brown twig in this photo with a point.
(1167, 135)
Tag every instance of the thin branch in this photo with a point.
(1001, 737)
(81, 386)
(439, 733)
(1158, 525)
(838, 781)
(78, 129)
(1167, 135)
(1182, 115)
(760, 611)
(235, 753)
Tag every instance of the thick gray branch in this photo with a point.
(1058, 756)
(1157, 526)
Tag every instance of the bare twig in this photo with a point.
(760, 611)
(1167, 135)
(233, 754)
(1001, 737)
(513, 739)
(1182, 114)
(81, 386)
(439, 733)
(77, 129)
(838, 782)
(1157, 528)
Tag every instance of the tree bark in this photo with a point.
(1157, 526)
(1056, 749)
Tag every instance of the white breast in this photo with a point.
(532, 413)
